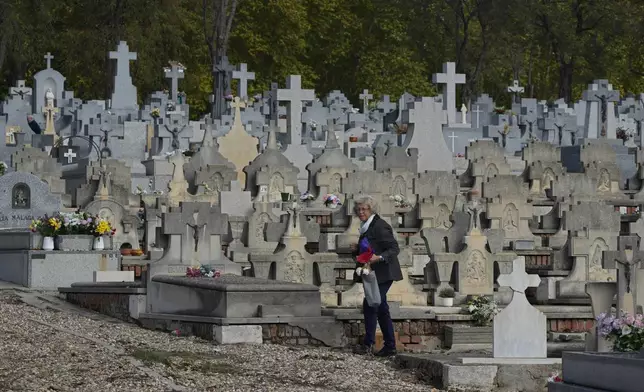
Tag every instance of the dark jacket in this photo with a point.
(383, 242)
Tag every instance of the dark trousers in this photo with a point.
(379, 315)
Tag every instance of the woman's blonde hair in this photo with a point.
(365, 201)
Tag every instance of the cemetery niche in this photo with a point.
(252, 207)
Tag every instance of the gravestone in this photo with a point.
(628, 261)
(47, 79)
(23, 198)
(175, 72)
(520, 328)
(294, 95)
(124, 94)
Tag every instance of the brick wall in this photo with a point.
(411, 335)
(570, 325)
(113, 305)
(288, 335)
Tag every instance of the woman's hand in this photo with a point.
(375, 259)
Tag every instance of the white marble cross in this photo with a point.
(243, 76)
(453, 136)
(365, 96)
(449, 78)
(48, 58)
(386, 106)
(294, 94)
(20, 89)
(174, 73)
(70, 155)
(519, 280)
(516, 90)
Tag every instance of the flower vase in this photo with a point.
(99, 243)
(48, 243)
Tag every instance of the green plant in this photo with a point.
(447, 292)
(482, 309)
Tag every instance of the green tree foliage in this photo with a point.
(554, 47)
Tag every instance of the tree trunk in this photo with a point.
(566, 69)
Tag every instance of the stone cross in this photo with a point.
(174, 73)
(603, 93)
(474, 209)
(365, 97)
(516, 91)
(386, 106)
(20, 89)
(48, 58)
(70, 155)
(123, 56)
(449, 78)
(453, 136)
(627, 260)
(243, 76)
(520, 328)
(478, 112)
(222, 70)
(294, 94)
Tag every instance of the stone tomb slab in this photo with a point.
(230, 296)
(616, 372)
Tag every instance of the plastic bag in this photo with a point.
(371, 289)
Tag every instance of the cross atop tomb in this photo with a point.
(48, 58)
(449, 78)
(516, 91)
(70, 155)
(627, 260)
(243, 76)
(365, 97)
(20, 89)
(174, 73)
(478, 112)
(519, 280)
(294, 94)
(453, 136)
(386, 106)
(123, 56)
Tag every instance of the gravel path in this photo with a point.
(47, 345)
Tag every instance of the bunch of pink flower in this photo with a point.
(555, 377)
(626, 332)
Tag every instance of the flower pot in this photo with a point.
(74, 242)
(48, 243)
(99, 243)
(447, 302)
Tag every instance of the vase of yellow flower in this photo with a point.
(102, 228)
(48, 227)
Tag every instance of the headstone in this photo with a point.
(628, 262)
(23, 198)
(174, 73)
(295, 95)
(520, 328)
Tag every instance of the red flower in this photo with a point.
(365, 257)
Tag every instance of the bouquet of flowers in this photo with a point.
(332, 201)
(203, 271)
(46, 226)
(482, 309)
(155, 113)
(306, 196)
(399, 201)
(626, 332)
(555, 377)
(75, 223)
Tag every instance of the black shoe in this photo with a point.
(363, 350)
(386, 352)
